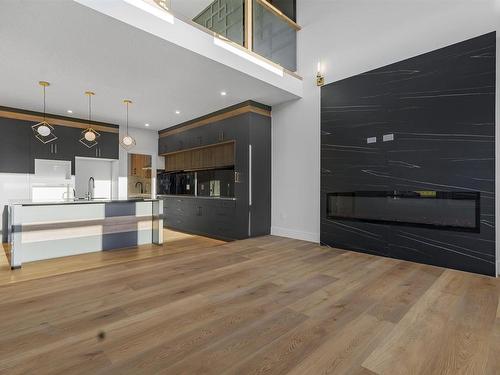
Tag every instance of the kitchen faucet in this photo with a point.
(142, 188)
(90, 188)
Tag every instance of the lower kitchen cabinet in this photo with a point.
(212, 217)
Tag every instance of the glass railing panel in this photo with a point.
(273, 37)
(224, 17)
(288, 7)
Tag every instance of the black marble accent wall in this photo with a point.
(437, 113)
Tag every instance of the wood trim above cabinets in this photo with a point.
(53, 120)
(229, 112)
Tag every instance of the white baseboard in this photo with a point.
(295, 234)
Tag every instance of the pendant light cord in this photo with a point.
(43, 103)
(127, 118)
(90, 109)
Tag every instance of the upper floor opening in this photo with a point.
(267, 28)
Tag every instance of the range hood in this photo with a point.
(53, 169)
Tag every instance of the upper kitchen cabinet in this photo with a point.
(20, 147)
(107, 146)
(15, 149)
(222, 126)
(63, 148)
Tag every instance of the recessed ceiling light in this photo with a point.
(69, 111)
(177, 112)
(146, 124)
(223, 93)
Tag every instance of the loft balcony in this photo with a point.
(265, 27)
(254, 37)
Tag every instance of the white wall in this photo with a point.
(146, 144)
(350, 37)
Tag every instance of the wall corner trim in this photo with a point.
(295, 234)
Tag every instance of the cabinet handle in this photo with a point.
(250, 175)
(55, 147)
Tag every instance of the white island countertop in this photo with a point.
(30, 202)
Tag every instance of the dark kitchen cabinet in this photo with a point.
(220, 131)
(172, 143)
(66, 143)
(63, 148)
(67, 146)
(212, 217)
(20, 147)
(249, 214)
(108, 145)
(15, 148)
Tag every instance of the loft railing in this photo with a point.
(257, 26)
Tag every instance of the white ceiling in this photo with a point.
(189, 8)
(78, 49)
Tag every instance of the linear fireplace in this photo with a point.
(433, 209)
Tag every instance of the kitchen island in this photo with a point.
(45, 230)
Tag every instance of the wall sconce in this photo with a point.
(320, 78)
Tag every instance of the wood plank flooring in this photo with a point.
(174, 242)
(267, 305)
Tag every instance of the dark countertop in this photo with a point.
(160, 196)
(29, 202)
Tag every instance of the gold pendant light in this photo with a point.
(127, 141)
(43, 131)
(89, 135)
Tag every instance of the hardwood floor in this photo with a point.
(267, 305)
(174, 242)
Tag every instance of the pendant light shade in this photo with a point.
(127, 141)
(89, 135)
(43, 131)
